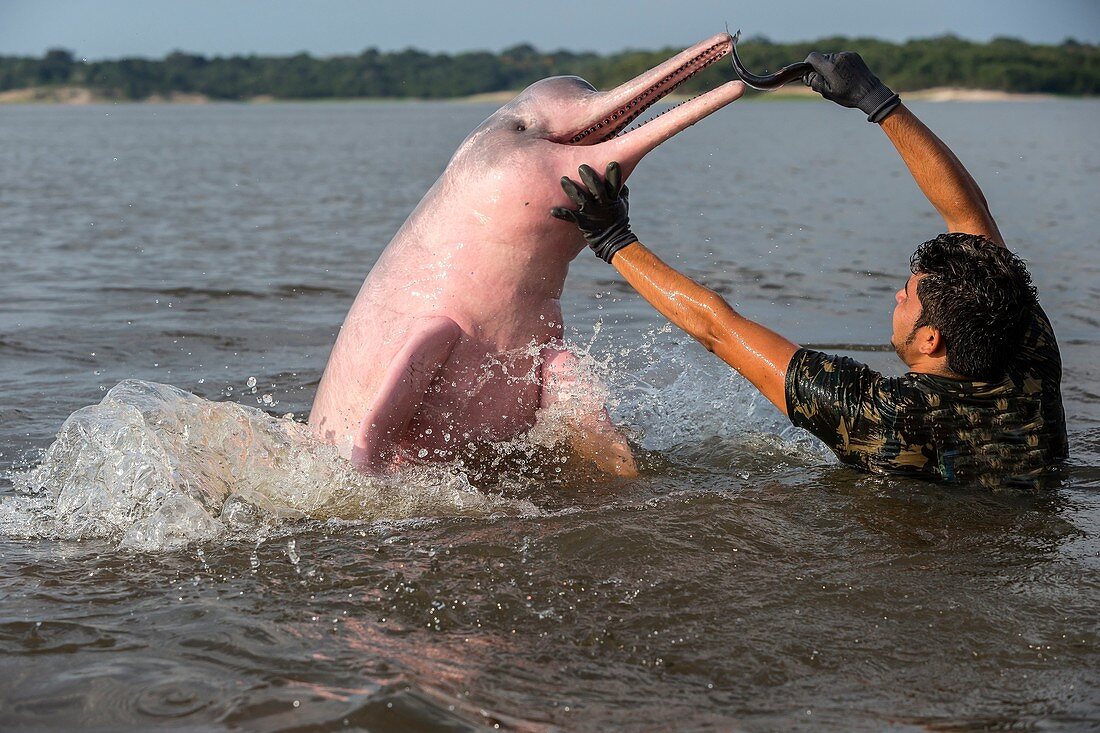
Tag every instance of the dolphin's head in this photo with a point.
(510, 166)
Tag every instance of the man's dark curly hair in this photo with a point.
(978, 295)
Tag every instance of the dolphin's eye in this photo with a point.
(520, 127)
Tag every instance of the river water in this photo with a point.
(745, 581)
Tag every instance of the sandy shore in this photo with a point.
(81, 95)
(957, 94)
(935, 94)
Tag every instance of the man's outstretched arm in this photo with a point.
(758, 353)
(941, 176)
(845, 79)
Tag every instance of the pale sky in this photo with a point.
(98, 29)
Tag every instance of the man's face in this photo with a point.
(906, 313)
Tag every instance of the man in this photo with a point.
(981, 401)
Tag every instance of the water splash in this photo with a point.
(155, 468)
(672, 393)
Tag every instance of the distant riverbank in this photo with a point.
(82, 96)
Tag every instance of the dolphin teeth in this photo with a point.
(625, 115)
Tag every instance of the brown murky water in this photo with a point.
(745, 581)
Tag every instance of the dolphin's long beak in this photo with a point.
(603, 136)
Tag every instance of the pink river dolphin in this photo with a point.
(456, 335)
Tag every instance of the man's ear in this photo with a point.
(930, 342)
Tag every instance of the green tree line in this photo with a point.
(1004, 64)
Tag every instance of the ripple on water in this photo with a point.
(743, 582)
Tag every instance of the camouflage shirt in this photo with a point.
(996, 434)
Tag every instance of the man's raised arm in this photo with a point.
(845, 79)
(758, 353)
(941, 176)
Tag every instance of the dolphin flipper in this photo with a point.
(401, 392)
(594, 437)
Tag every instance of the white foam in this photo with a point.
(154, 468)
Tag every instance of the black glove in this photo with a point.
(845, 79)
(602, 212)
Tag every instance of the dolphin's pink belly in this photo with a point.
(487, 390)
(452, 417)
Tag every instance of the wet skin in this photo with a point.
(455, 336)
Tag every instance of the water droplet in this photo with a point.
(251, 382)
